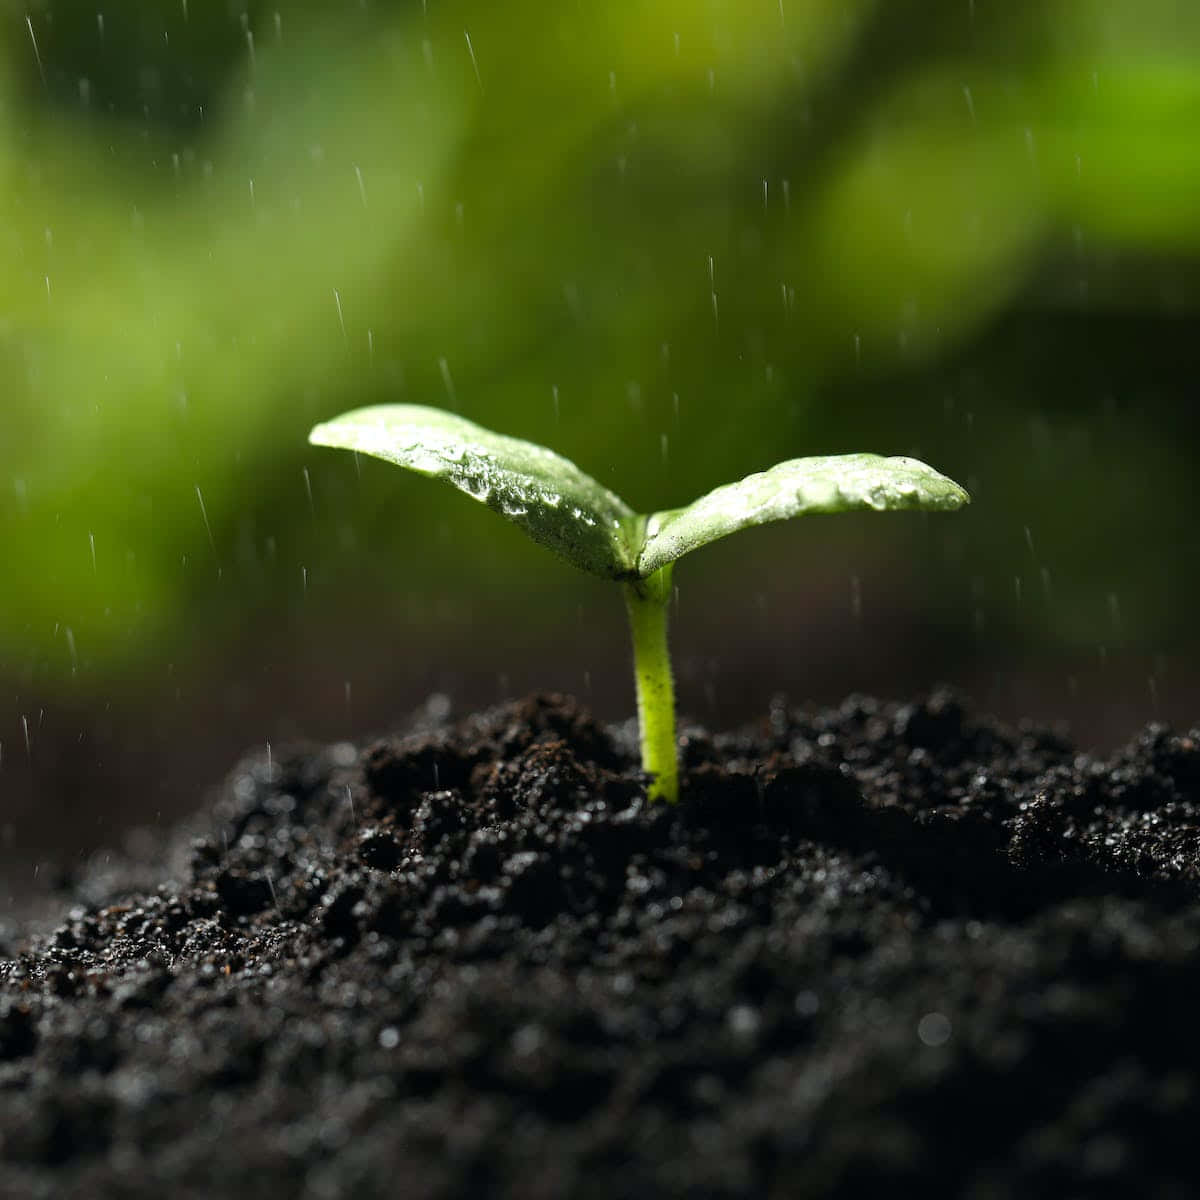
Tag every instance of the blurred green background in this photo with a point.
(676, 242)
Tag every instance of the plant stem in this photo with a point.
(646, 601)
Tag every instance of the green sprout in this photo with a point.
(568, 512)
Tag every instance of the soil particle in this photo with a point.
(878, 947)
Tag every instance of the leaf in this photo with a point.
(829, 484)
(550, 498)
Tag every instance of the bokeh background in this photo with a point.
(676, 242)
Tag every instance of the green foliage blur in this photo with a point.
(676, 242)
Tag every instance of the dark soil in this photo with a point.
(883, 950)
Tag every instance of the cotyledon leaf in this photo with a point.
(549, 497)
(828, 484)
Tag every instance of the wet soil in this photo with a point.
(884, 949)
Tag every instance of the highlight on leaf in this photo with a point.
(549, 497)
(829, 484)
(567, 511)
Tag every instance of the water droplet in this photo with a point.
(475, 486)
(934, 1029)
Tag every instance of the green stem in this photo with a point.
(646, 601)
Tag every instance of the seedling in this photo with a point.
(568, 512)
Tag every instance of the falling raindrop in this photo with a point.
(474, 63)
(337, 300)
(36, 52)
(207, 526)
(309, 492)
(448, 382)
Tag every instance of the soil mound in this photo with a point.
(887, 946)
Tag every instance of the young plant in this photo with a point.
(568, 512)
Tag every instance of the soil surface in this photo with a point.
(879, 950)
